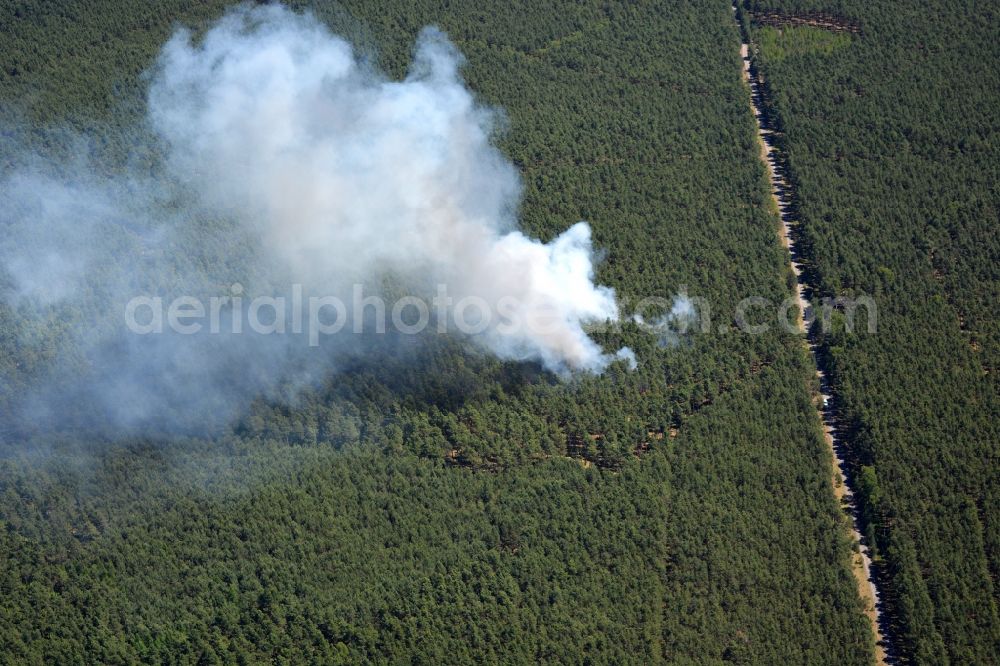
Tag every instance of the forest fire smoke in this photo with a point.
(283, 159)
(345, 174)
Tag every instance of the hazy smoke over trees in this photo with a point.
(286, 160)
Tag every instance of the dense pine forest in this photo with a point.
(889, 130)
(428, 503)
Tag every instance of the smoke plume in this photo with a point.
(286, 160)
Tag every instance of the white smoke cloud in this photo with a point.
(627, 355)
(286, 160)
(670, 326)
(345, 173)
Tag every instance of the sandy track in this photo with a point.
(861, 565)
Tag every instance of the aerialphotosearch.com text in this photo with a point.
(316, 316)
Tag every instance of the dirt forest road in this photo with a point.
(825, 403)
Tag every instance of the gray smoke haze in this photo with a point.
(285, 161)
(671, 325)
